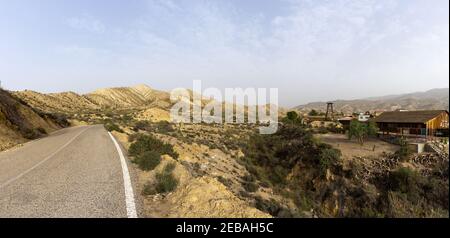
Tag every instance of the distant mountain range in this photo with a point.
(435, 99)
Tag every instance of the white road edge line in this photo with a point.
(129, 194)
(40, 163)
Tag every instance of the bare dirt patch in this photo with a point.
(350, 148)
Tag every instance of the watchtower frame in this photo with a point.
(330, 111)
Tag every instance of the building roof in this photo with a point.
(346, 119)
(408, 116)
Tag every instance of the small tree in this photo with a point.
(361, 131)
(292, 118)
(372, 128)
(313, 113)
(405, 151)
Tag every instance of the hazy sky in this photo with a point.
(309, 49)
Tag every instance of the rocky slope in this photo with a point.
(435, 99)
(20, 122)
(199, 194)
(199, 197)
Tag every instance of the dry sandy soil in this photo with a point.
(199, 193)
(351, 148)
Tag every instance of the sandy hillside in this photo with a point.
(127, 97)
(140, 96)
(154, 115)
(19, 122)
(67, 102)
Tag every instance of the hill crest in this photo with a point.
(434, 99)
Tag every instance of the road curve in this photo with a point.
(75, 172)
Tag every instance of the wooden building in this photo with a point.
(419, 123)
(345, 121)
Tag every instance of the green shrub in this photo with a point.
(250, 187)
(113, 127)
(149, 143)
(303, 201)
(148, 160)
(244, 194)
(60, 119)
(271, 158)
(264, 184)
(224, 181)
(313, 113)
(406, 181)
(142, 125)
(149, 189)
(41, 131)
(127, 118)
(249, 178)
(164, 127)
(441, 170)
(170, 167)
(400, 179)
(133, 137)
(437, 191)
(327, 158)
(166, 182)
(270, 206)
(30, 134)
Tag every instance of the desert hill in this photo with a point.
(140, 96)
(128, 97)
(19, 122)
(66, 102)
(435, 99)
(148, 103)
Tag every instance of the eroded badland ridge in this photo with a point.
(109, 98)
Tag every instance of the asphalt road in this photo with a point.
(75, 172)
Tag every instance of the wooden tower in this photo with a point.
(330, 112)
